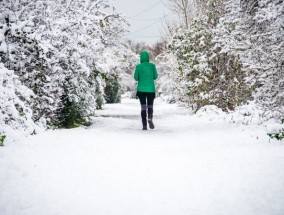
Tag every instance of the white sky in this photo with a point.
(145, 18)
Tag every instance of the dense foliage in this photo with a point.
(54, 57)
(206, 75)
(231, 52)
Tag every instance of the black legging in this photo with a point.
(147, 102)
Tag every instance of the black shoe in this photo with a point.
(151, 124)
(144, 127)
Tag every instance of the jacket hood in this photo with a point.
(144, 57)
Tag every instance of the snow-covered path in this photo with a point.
(186, 166)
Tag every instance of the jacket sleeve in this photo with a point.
(155, 72)
(136, 74)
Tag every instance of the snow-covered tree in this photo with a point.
(206, 75)
(254, 30)
(83, 31)
(167, 84)
(244, 42)
(59, 47)
(15, 100)
(21, 51)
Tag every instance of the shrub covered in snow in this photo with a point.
(56, 48)
(254, 30)
(206, 74)
(166, 84)
(15, 105)
(231, 53)
(276, 131)
(112, 90)
(278, 134)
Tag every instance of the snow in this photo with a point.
(15, 117)
(190, 164)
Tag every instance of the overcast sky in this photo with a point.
(145, 18)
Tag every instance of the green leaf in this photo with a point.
(2, 139)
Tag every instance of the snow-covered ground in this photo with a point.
(189, 165)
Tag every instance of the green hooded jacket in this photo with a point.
(145, 74)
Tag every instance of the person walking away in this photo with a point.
(146, 73)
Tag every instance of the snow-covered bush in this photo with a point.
(232, 53)
(56, 49)
(278, 134)
(254, 30)
(112, 90)
(276, 131)
(166, 67)
(23, 54)
(211, 113)
(15, 102)
(82, 43)
(207, 75)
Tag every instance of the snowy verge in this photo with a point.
(248, 115)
